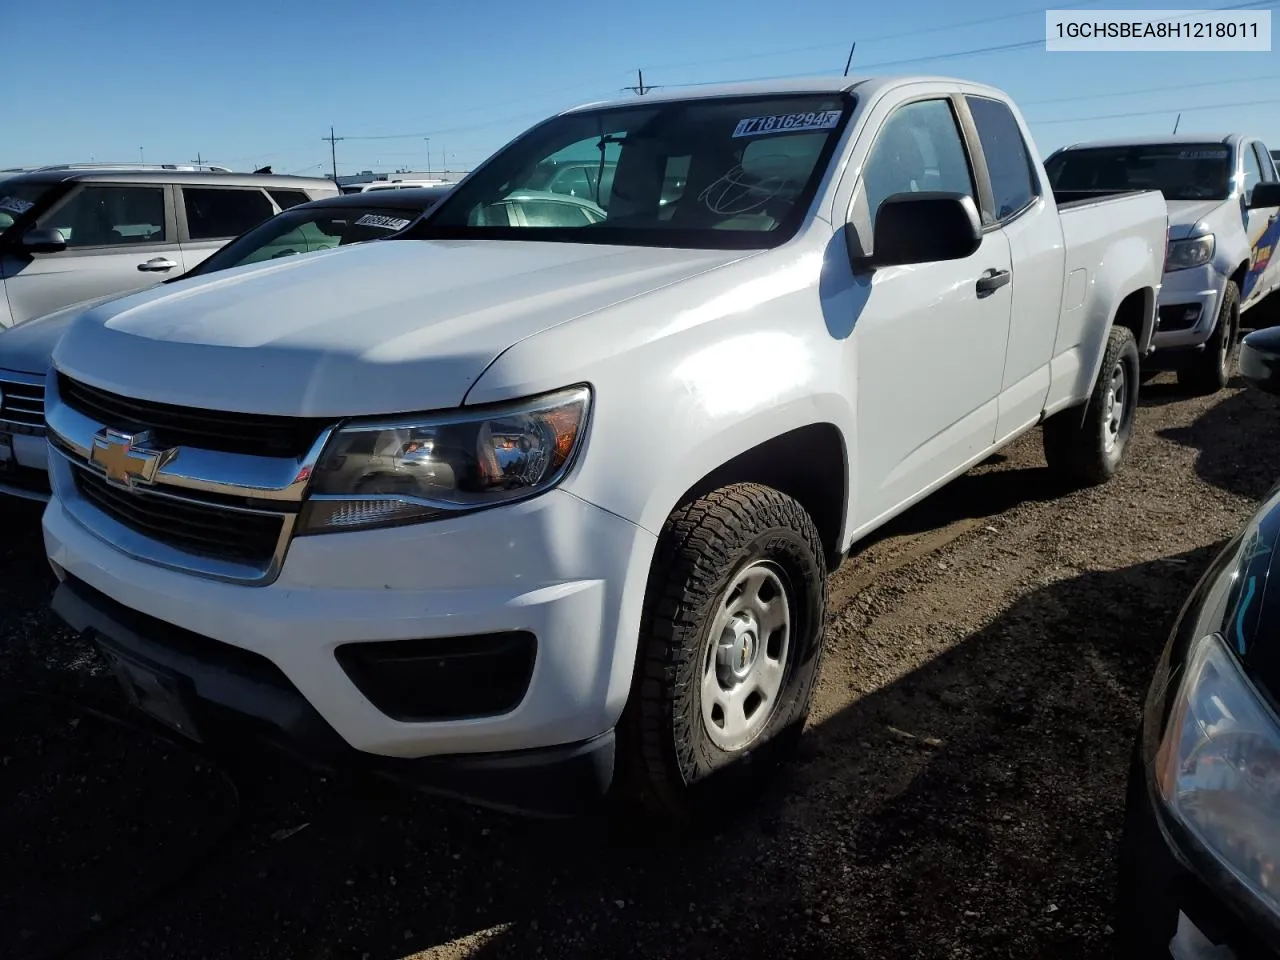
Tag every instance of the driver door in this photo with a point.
(1262, 227)
(929, 342)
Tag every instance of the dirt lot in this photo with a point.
(959, 793)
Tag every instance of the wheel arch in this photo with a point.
(810, 464)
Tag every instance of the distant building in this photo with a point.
(368, 176)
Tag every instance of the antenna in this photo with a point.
(849, 62)
(333, 151)
(1176, 122)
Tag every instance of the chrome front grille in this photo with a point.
(222, 431)
(21, 399)
(219, 496)
(202, 529)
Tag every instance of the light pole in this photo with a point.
(428, 139)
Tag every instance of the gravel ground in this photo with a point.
(959, 793)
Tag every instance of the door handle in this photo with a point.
(992, 280)
(157, 265)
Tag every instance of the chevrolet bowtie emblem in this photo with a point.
(126, 459)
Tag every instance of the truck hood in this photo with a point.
(1186, 215)
(27, 347)
(374, 328)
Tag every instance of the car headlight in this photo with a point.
(383, 473)
(1185, 254)
(1217, 769)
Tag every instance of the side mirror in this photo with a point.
(1260, 359)
(1264, 195)
(45, 240)
(923, 228)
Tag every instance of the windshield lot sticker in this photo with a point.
(14, 205)
(1215, 154)
(787, 123)
(387, 223)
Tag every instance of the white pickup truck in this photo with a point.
(531, 514)
(1223, 195)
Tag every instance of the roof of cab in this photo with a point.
(1228, 139)
(209, 177)
(786, 85)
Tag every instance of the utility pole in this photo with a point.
(848, 63)
(199, 161)
(639, 89)
(333, 151)
(1176, 122)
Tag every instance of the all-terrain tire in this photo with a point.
(1211, 371)
(668, 760)
(1088, 449)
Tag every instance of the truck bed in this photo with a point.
(1114, 243)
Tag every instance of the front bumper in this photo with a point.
(1183, 293)
(554, 566)
(220, 695)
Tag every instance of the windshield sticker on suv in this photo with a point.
(15, 205)
(387, 223)
(1217, 153)
(787, 123)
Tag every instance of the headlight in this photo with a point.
(392, 472)
(1184, 254)
(1218, 768)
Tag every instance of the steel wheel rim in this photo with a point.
(1116, 403)
(744, 664)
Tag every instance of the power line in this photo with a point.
(1129, 93)
(955, 54)
(874, 39)
(1149, 112)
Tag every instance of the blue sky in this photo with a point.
(246, 84)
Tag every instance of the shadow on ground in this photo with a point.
(1248, 469)
(969, 809)
(985, 786)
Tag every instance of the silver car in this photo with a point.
(70, 234)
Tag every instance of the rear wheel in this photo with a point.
(1088, 448)
(1211, 370)
(730, 646)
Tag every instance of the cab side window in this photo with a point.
(1252, 171)
(1264, 160)
(1013, 185)
(918, 149)
(110, 216)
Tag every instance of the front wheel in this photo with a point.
(731, 641)
(1211, 370)
(1088, 448)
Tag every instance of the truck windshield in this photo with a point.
(1181, 171)
(717, 173)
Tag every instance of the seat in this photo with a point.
(91, 225)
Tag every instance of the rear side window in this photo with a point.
(217, 213)
(110, 216)
(288, 198)
(1008, 160)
